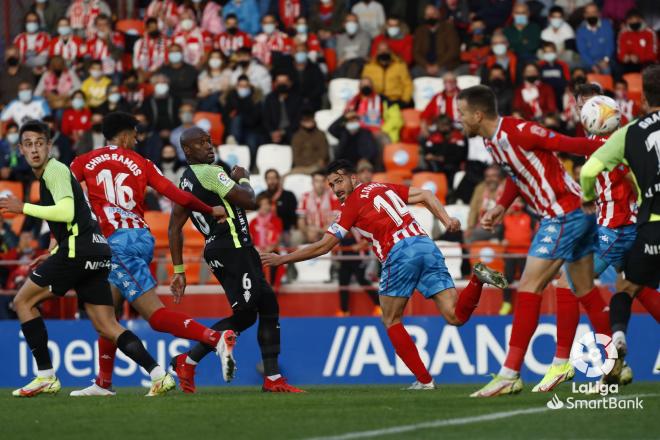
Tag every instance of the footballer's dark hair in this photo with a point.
(116, 122)
(34, 126)
(340, 165)
(587, 90)
(651, 85)
(480, 98)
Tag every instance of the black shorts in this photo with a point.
(88, 276)
(240, 273)
(642, 266)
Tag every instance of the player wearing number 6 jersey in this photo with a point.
(410, 259)
(116, 179)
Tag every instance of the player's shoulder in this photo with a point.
(55, 169)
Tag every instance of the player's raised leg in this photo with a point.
(36, 336)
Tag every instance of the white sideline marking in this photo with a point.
(449, 422)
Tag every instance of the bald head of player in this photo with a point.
(477, 107)
(120, 129)
(197, 146)
(342, 178)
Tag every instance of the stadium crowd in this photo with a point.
(258, 72)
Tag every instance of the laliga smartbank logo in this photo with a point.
(587, 358)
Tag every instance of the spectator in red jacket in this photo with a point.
(444, 103)
(66, 45)
(77, 119)
(534, 98)
(500, 54)
(629, 108)
(266, 230)
(232, 38)
(397, 39)
(637, 44)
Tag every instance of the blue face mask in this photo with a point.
(300, 57)
(175, 57)
(520, 19)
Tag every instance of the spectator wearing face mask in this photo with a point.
(25, 106)
(629, 107)
(371, 16)
(282, 111)
(637, 43)
(57, 84)
(485, 197)
(327, 14)
(214, 80)
(554, 71)
(497, 80)
(477, 48)
(534, 98)
(399, 41)
(186, 116)
(150, 51)
(106, 46)
(355, 142)
(444, 103)
(77, 119)
(171, 165)
(182, 76)
(91, 139)
(246, 65)
(49, 13)
(62, 146)
(317, 209)
(246, 13)
(501, 55)
(444, 149)
(308, 79)
(193, 41)
(233, 38)
(65, 44)
(32, 44)
(243, 115)
(166, 14)
(266, 232)
(309, 146)
(13, 165)
(12, 75)
(162, 108)
(389, 75)
(288, 12)
(307, 38)
(209, 16)
(437, 46)
(352, 49)
(115, 101)
(272, 43)
(82, 13)
(134, 92)
(524, 36)
(96, 85)
(595, 41)
(561, 34)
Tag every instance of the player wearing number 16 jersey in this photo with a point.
(116, 179)
(411, 260)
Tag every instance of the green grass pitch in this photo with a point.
(246, 413)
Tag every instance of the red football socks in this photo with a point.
(407, 351)
(182, 326)
(597, 310)
(650, 299)
(468, 299)
(525, 320)
(107, 351)
(568, 316)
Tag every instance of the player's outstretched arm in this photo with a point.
(536, 137)
(321, 247)
(431, 202)
(178, 218)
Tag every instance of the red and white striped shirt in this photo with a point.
(617, 203)
(149, 54)
(523, 149)
(30, 45)
(441, 104)
(195, 44)
(166, 11)
(265, 45)
(97, 49)
(229, 44)
(380, 214)
(318, 210)
(369, 109)
(82, 13)
(289, 11)
(70, 49)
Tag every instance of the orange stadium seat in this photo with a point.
(396, 177)
(192, 261)
(216, 130)
(34, 192)
(400, 157)
(158, 222)
(485, 251)
(605, 81)
(411, 125)
(11, 188)
(435, 182)
(192, 238)
(132, 27)
(634, 81)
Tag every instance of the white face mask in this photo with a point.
(556, 22)
(114, 97)
(215, 63)
(64, 30)
(175, 57)
(31, 27)
(550, 57)
(187, 24)
(243, 92)
(301, 28)
(77, 103)
(351, 27)
(499, 49)
(12, 138)
(352, 126)
(161, 89)
(25, 95)
(393, 31)
(269, 28)
(96, 74)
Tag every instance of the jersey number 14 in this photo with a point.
(397, 209)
